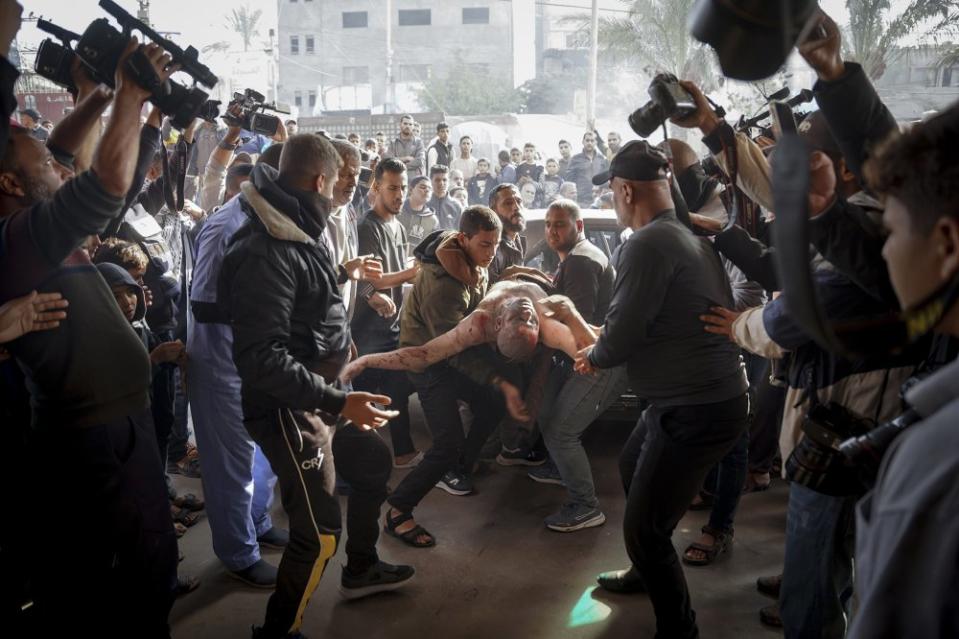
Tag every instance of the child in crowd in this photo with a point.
(552, 181)
(460, 195)
(479, 186)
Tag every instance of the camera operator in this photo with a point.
(693, 380)
(109, 570)
(906, 549)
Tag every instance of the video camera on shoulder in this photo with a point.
(100, 48)
(250, 106)
(667, 99)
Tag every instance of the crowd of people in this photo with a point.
(291, 293)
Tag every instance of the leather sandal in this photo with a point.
(410, 536)
(722, 540)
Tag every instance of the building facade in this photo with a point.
(333, 55)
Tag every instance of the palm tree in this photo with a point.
(244, 21)
(875, 36)
(652, 35)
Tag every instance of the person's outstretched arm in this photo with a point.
(471, 331)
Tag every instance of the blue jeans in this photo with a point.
(817, 572)
(571, 403)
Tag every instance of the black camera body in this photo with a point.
(251, 117)
(667, 99)
(55, 59)
(817, 462)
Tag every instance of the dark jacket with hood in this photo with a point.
(278, 284)
(447, 289)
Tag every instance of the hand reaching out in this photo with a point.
(582, 365)
(33, 312)
(364, 267)
(824, 53)
(721, 322)
(359, 410)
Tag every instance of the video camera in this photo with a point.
(54, 59)
(802, 97)
(667, 99)
(251, 105)
(100, 48)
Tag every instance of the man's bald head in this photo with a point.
(305, 159)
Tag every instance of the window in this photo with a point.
(298, 98)
(309, 45)
(415, 72)
(414, 17)
(477, 15)
(294, 45)
(312, 99)
(354, 19)
(356, 75)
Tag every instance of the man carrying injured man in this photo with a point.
(448, 326)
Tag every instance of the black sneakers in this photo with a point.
(259, 575)
(381, 577)
(521, 457)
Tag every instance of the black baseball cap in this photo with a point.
(33, 113)
(636, 160)
(441, 126)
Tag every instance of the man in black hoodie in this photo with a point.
(290, 339)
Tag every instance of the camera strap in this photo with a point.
(856, 337)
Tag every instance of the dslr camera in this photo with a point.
(667, 99)
(246, 111)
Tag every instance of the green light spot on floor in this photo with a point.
(587, 610)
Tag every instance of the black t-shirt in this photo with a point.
(387, 242)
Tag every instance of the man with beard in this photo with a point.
(507, 203)
(583, 166)
(290, 338)
(108, 571)
(447, 209)
(408, 149)
(572, 402)
(376, 325)
(613, 143)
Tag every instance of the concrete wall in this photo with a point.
(499, 44)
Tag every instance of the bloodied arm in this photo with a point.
(471, 331)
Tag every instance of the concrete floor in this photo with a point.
(497, 572)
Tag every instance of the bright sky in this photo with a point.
(201, 22)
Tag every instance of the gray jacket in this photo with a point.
(907, 528)
(400, 148)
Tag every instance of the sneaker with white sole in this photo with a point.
(575, 517)
(455, 483)
(546, 474)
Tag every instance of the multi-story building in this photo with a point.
(333, 54)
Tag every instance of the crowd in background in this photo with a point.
(185, 302)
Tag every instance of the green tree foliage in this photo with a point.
(874, 36)
(469, 89)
